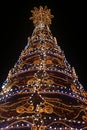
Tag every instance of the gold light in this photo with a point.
(41, 16)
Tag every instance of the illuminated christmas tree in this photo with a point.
(42, 91)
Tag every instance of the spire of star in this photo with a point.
(41, 16)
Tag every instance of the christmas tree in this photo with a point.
(42, 90)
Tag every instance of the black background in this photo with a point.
(69, 26)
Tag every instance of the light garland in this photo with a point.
(42, 91)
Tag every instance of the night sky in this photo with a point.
(69, 26)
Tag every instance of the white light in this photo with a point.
(27, 124)
(59, 118)
(2, 97)
(83, 122)
(49, 117)
(6, 95)
(78, 121)
(3, 86)
(17, 125)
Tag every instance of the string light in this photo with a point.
(42, 90)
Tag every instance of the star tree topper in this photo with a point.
(41, 16)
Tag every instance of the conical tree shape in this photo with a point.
(42, 91)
